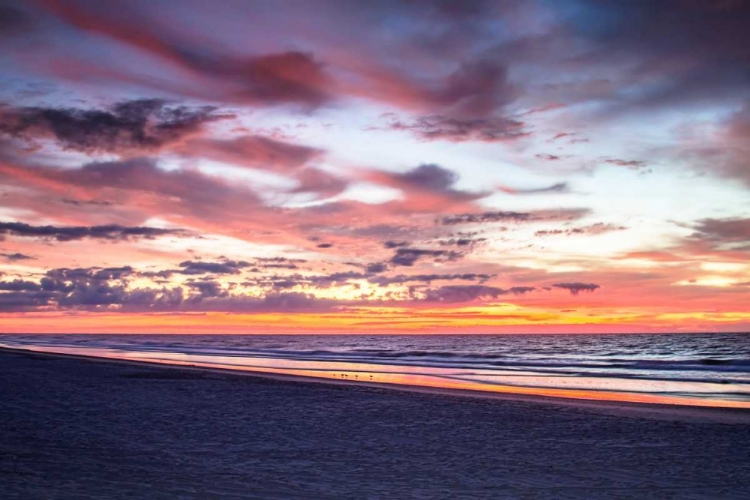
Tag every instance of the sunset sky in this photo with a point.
(382, 167)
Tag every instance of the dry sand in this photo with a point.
(75, 428)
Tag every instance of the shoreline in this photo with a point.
(638, 409)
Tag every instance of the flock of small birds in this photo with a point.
(346, 376)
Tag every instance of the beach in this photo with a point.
(80, 428)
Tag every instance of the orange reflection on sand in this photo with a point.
(376, 374)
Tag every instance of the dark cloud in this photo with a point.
(592, 230)
(13, 21)
(559, 187)
(334, 278)
(324, 245)
(201, 267)
(427, 278)
(138, 125)
(632, 164)
(431, 177)
(443, 128)
(428, 179)
(461, 241)
(467, 105)
(94, 289)
(727, 153)
(279, 266)
(112, 232)
(279, 263)
(284, 284)
(506, 216)
(469, 293)
(25, 301)
(281, 259)
(282, 78)
(20, 286)
(487, 217)
(548, 157)
(409, 256)
(395, 244)
(726, 234)
(94, 203)
(475, 90)
(113, 273)
(688, 51)
(286, 302)
(376, 267)
(16, 256)
(736, 163)
(576, 288)
(208, 288)
(108, 289)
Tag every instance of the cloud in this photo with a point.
(278, 263)
(13, 21)
(24, 301)
(409, 256)
(148, 190)
(427, 278)
(726, 152)
(469, 293)
(20, 286)
(576, 288)
(208, 289)
(591, 230)
(549, 157)
(112, 232)
(253, 151)
(318, 182)
(443, 128)
(16, 256)
(201, 267)
(112, 273)
(395, 244)
(475, 89)
(722, 232)
(632, 164)
(376, 267)
(90, 289)
(566, 214)
(428, 184)
(94, 203)
(467, 104)
(673, 46)
(290, 77)
(463, 241)
(138, 125)
(559, 187)
(283, 302)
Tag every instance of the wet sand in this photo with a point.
(79, 428)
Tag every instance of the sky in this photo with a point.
(335, 166)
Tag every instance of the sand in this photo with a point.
(76, 428)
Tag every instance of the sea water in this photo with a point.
(711, 369)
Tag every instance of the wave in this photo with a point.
(681, 366)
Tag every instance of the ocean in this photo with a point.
(711, 369)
